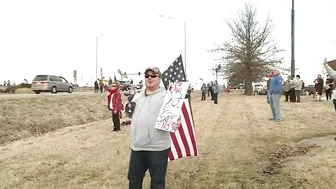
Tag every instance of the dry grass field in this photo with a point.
(239, 147)
(24, 117)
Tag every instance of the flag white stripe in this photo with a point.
(192, 127)
(180, 142)
(173, 149)
(186, 131)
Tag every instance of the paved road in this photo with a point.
(33, 95)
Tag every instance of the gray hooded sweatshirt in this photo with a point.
(145, 137)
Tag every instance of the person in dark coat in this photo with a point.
(319, 86)
(96, 86)
(203, 90)
(292, 97)
(329, 87)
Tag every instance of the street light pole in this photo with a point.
(97, 56)
(185, 49)
(292, 40)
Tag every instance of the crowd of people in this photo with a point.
(150, 147)
(293, 87)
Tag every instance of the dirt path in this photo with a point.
(233, 139)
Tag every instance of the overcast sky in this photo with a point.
(56, 37)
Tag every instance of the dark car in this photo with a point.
(124, 85)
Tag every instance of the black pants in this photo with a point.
(328, 93)
(212, 95)
(298, 95)
(203, 96)
(292, 97)
(154, 161)
(286, 95)
(215, 97)
(116, 121)
(334, 101)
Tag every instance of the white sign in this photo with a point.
(171, 108)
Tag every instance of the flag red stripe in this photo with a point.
(184, 138)
(176, 144)
(189, 125)
(171, 156)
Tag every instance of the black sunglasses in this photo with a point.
(152, 76)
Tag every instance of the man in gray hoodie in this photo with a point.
(150, 146)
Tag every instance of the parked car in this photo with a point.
(51, 83)
(310, 89)
(124, 85)
(263, 91)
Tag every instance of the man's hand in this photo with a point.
(177, 124)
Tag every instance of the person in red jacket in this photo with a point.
(114, 103)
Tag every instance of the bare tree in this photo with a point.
(250, 54)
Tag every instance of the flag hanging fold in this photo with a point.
(183, 140)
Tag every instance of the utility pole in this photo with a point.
(96, 58)
(185, 49)
(292, 41)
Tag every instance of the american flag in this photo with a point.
(183, 140)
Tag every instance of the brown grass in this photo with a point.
(21, 118)
(239, 148)
(23, 91)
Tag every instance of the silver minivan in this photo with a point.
(51, 83)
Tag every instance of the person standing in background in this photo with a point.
(334, 98)
(211, 90)
(319, 86)
(287, 88)
(96, 87)
(110, 82)
(115, 105)
(275, 95)
(329, 87)
(292, 97)
(298, 87)
(215, 92)
(208, 89)
(203, 90)
(268, 86)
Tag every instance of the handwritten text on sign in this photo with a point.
(171, 108)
